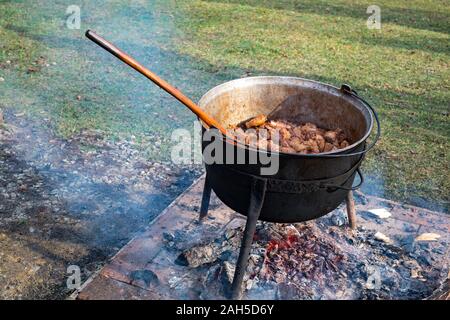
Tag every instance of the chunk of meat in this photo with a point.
(298, 132)
(344, 144)
(285, 134)
(309, 130)
(328, 147)
(312, 146)
(330, 136)
(297, 145)
(320, 142)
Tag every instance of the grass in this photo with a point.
(403, 69)
(112, 98)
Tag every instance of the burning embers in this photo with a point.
(294, 256)
(313, 260)
(295, 253)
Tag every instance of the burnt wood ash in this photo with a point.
(313, 260)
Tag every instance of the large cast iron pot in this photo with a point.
(305, 186)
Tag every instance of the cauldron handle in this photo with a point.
(348, 90)
(345, 88)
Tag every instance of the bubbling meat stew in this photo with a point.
(284, 136)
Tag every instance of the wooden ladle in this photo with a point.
(211, 122)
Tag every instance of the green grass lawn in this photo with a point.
(113, 98)
(402, 69)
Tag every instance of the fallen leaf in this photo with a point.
(32, 69)
(428, 237)
(382, 237)
(380, 213)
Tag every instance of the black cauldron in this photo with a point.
(306, 186)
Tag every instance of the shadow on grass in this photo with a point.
(427, 44)
(408, 17)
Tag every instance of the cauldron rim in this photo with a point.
(313, 84)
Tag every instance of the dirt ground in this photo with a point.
(71, 202)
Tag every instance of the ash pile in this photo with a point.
(314, 260)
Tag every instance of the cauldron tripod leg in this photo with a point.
(351, 211)
(258, 192)
(205, 200)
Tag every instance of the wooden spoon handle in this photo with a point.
(211, 122)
